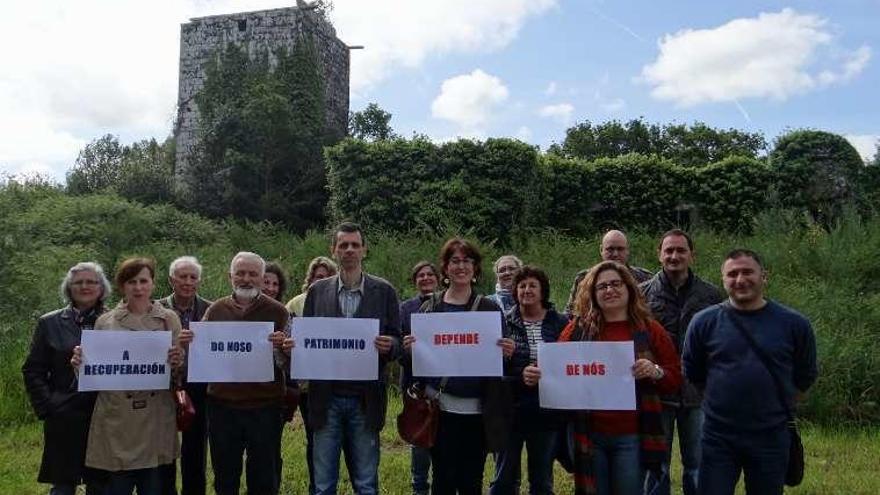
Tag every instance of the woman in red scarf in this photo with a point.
(612, 449)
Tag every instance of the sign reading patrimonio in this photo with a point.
(334, 348)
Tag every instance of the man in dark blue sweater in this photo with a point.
(745, 421)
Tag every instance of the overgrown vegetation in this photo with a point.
(832, 276)
(261, 132)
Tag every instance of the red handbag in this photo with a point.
(186, 411)
(417, 423)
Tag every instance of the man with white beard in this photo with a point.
(246, 417)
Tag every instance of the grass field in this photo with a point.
(839, 461)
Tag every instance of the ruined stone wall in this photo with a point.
(267, 29)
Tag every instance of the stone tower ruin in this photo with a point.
(203, 37)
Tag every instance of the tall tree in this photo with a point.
(696, 145)
(371, 124)
(97, 166)
(817, 170)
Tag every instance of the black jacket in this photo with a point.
(527, 397)
(674, 309)
(52, 387)
(496, 393)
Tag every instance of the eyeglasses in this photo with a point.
(614, 284)
(461, 261)
(85, 283)
(506, 269)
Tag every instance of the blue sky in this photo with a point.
(74, 71)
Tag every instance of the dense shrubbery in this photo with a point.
(833, 277)
(503, 188)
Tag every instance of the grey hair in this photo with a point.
(84, 266)
(517, 261)
(185, 260)
(251, 256)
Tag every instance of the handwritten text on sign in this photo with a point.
(124, 360)
(457, 344)
(587, 375)
(231, 352)
(335, 348)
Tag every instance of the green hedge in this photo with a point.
(501, 188)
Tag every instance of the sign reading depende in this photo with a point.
(124, 360)
(457, 344)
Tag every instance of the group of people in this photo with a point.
(692, 368)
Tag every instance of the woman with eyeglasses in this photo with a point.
(475, 413)
(134, 432)
(505, 268)
(51, 383)
(612, 449)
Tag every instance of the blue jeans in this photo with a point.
(420, 463)
(540, 447)
(346, 424)
(147, 481)
(761, 456)
(234, 431)
(690, 426)
(617, 464)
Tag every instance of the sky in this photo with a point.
(71, 72)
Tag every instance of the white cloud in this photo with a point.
(865, 144)
(769, 56)
(523, 134)
(77, 70)
(559, 111)
(469, 100)
(404, 33)
(551, 89)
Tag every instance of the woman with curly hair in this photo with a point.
(612, 449)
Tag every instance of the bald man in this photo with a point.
(614, 247)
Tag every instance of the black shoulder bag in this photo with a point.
(794, 474)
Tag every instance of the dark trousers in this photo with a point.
(540, 446)
(458, 455)
(761, 456)
(145, 481)
(193, 450)
(234, 432)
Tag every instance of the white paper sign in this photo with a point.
(124, 360)
(587, 375)
(335, 348)
(457, 344)
(231, 352)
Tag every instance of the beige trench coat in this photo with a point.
(134, 429)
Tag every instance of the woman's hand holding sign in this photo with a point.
(644, 368)
(531, 375)
(507, 346)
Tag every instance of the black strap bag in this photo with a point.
(794, 474)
